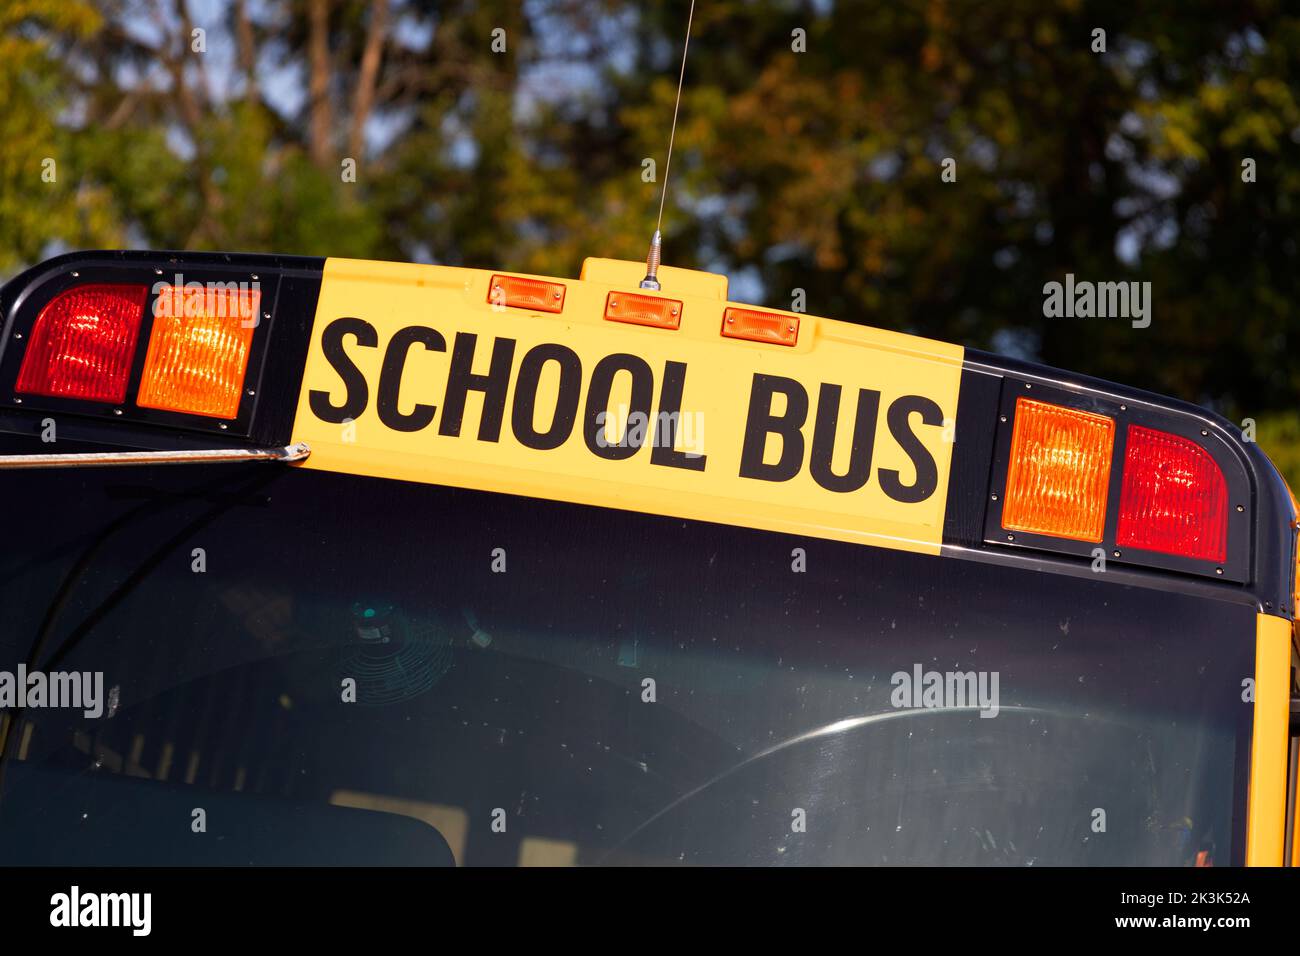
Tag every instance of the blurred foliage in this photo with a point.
(816, 170)
(1279, 436)
(35, 93)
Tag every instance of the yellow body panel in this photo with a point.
(717, 376)
(1266, 811)
(1295, 807)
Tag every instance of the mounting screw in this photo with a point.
(1002, 418)
(18, 335)
(1123, 408)
(251, 392)
(1240, 508)
(76, 275)
(557, 294)
(994, 497)
(1218, 570)
(1115, 554)
(221, 425)
(117, 411)
(17, 400)
(1011, 537)
(1204, 433)
(673, 310)
(1028, 385)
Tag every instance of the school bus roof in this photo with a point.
(674, 402)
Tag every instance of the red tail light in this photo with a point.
(1173, 499)
(82, 344)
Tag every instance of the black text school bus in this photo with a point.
(545, 571)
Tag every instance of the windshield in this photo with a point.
(355, 670)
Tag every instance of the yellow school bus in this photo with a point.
(429, 565)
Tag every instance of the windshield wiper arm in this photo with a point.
(295, 452)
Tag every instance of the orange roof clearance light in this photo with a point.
(1059, 471)
(758, 326)
(198, 350)
(643, 310)
(520, 293)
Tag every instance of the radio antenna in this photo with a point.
(651, 280)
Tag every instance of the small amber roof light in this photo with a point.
(643, 310)
(518, 293)
(756, 326)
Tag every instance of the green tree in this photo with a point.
(42, 198)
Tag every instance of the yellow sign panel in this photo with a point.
(417, 373)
